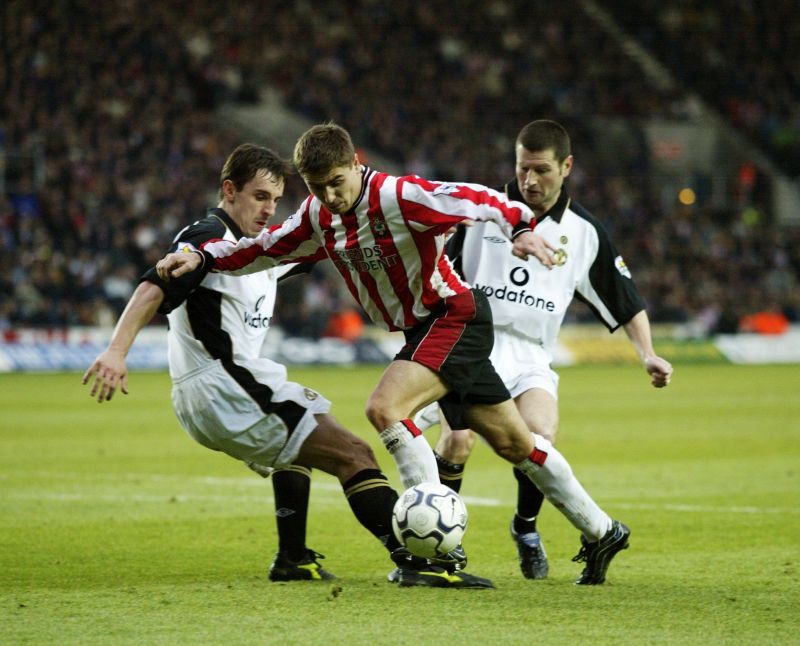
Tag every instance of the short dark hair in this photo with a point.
(247, 159)
(545, 135)
(322, 148)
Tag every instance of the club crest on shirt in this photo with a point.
(377, 224)
(310, 394)
(622, 268)
(560, 257)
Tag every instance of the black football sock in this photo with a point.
(372, 499)
(292, 486)
(450, 473)
(529, 504)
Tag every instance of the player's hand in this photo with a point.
(660, 371)
(174, 265)
(530, 244)
(110, 372)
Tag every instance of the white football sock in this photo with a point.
(551, 473)
(427, 417)
(412, 453)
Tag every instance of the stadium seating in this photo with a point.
(110, 144)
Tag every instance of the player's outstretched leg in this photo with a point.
(335, 450)
(602, 537)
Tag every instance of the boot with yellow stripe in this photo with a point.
(413, 571)
(306, 569)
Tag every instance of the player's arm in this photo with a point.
(109, 367)
(151, 296)
(444, 204)
(638, 331)
(607, 287)
(294, 240)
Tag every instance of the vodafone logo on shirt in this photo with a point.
(519, 296)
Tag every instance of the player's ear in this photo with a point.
(566, 166)
(228, 190)
(356, 163)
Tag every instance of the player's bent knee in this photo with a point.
(375, 412)
(456, 446)
(513, 448)
(353, 453)
(335, 450)
(358, 457)
(381, 415)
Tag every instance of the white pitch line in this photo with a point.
(231, 497)
(705, 509)
(231, 483)
(138, 497)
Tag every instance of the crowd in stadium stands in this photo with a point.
(742, 56)
(110, 146)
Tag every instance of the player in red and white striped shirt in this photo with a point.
(385, 235)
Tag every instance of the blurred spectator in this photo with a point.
(739, 56)
(766, 322)
(346, 324)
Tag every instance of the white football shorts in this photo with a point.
(251, 412)
(522, 364)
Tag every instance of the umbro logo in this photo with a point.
(446, 189)
(283, 512)
(495, 239)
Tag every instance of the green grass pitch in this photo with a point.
(116, 528)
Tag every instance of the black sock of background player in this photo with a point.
(529, 504)
(450, 474)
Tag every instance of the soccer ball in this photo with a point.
(429, 519)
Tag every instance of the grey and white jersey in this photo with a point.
(530, 300)
(213, 316)
(226, 394)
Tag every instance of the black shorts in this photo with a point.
(455, 341)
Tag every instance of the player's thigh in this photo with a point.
(248, 411)
(333, 449)
(539, 409)
(404, 388)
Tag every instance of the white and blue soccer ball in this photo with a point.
(429, 519)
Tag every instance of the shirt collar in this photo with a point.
(556, 212)
(227, 221)
(366, 171)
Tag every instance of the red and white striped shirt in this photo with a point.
(389, 247)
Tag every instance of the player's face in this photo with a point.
(540, 177)
(253, 206)
(338, 189)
